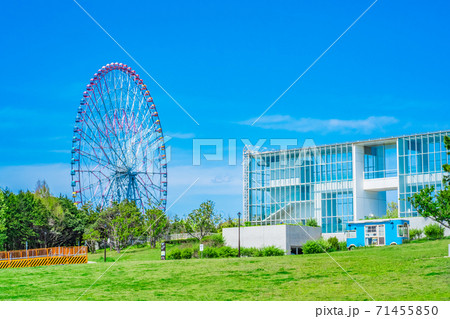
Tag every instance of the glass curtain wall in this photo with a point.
(380, 161)
(420, 164)
(295, 185)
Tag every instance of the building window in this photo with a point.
(380, 161)
(402, 231)
(374, 235)
(351, 233)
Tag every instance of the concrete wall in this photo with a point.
(421, 222)
(281, 236)
(358, 182)
(298, 235)
(339, 236)
(381, 184)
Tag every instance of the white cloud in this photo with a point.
(183, 136)
(303, 125)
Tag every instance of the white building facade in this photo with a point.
(338, 183)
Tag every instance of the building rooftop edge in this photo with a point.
(376, 220)
(345, 143)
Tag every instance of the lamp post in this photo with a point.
(239, 234)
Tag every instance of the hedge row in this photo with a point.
(223, 252)
(213, 240)
(321, 245)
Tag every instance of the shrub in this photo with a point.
(324, 244)
(210, 252)
(272, 251)
(195, 251)
(316, 247)
(334, 243)
(248, 252)
(215, 240)
(415, 233)
(226, 251)
(174, 253)
(433, 231)
(311, 222)
(251, 252)
(186, 253)
(342, 245)
(311, 247)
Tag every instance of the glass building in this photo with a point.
(335, 184)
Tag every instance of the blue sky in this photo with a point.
(225, 63)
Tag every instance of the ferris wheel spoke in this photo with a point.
(131, 124)
(139, 139)
(109, 119)
(109, 127)
(100, 131)
(95, 103)
(98, 182)
(111, 146)
(156, 188)
(95, 157)
(138, 192)
(129, 93)
(152, 195)
(105, 193)
(151, 184)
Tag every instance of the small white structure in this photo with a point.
(290, 238)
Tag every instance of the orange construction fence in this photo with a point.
(43, 257)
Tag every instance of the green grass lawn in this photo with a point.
(415, 271)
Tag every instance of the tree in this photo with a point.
(446, 167)
(176, 225)
(91, 236)
(435, 204)
(39, 219)
(392, 210)
(156, 224)
(201, 221)
(123, 222)
(65, 222)
(94, 231)
(24, 219)
(227, 224)
(3, 221)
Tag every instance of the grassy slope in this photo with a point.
(406, 272)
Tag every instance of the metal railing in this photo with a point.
(181, 236)
(43, 252)
(380, 174)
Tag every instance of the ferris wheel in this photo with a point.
(118, 150)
